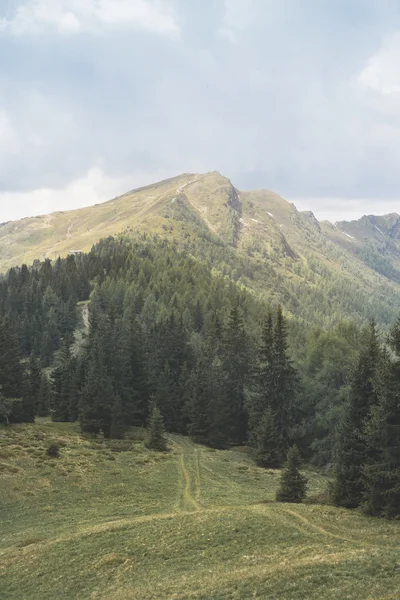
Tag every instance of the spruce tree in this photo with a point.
(235, 363)
(35, 375)
(156, 439)
(96, 399)
(11, 369)
(45, 397)
(197, 402)
(284, 382)
(267, 442)
(293, 485)
(64, 384)
(118, 421)
(258, 391)
(7, 405)
(382, 468)
(352, 452)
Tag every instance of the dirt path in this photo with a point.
(189, 481)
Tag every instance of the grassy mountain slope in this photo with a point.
(318, 271)
(102, 524)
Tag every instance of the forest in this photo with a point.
(166, 332)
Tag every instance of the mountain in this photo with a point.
(320, 272)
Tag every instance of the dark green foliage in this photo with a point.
(272, 389)
(118, 421)
(267, 441)
(65, 393)
(7, 407)
(214, 358)
(352, 452)
(53, 451)
(326, 376)
(382, 469)
(45, 397)
(156, 439)
(11, 369)
(293, 485)
(234, 357)
(96, 400)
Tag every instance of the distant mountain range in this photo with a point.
(320, 272)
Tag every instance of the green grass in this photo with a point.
(104, 524)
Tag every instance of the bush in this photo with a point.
(53, 451)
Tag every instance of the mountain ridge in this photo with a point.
(257, 238)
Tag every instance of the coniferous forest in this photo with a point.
(164, 340)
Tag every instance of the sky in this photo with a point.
(98, 97)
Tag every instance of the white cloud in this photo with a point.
(9, 142)
(92, 188)
(345, 209)
(382, 71)
(238, 17)
(69, 17)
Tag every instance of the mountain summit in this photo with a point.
(256, 238)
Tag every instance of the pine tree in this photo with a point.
(118, 421)
(45, 397)
(258, 391)
(234, 357)
(284, 382)
(35, 375)
(64, 387)
(382, 468)
(7, 406)
(96, 400)
(293, 485)
(156, 432)
(352, 453)
(11, 369)
(197, 402)
(267, 442)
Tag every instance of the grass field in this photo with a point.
(104, 524)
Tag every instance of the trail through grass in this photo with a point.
(193, 523)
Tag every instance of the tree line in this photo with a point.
(167, 332)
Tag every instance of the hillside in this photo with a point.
(112, 521)
(320, 272)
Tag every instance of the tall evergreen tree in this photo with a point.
(96, 400)
(118, 420)
(156, 432)
(45, 397)
(382, 468)
(352, 451)
(284, 382)
(64, 385)
(235, 365)
(267, 441)
(259, 382)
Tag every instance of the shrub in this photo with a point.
(53, 451)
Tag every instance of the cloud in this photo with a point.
(92, 188)
(9, 142)
(382, 71)
(345, 209)
(71, 17)
(276, 94)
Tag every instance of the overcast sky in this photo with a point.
(299, 96)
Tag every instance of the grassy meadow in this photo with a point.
(115, 521)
